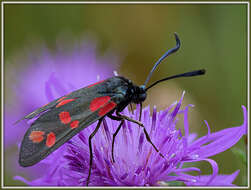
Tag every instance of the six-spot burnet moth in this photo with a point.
(61, 119)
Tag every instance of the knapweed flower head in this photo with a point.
(136, 162)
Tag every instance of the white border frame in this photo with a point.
(117, 2)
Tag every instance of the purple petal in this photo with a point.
(215, 169)
(219, 180)
(208, 128)
(186, 123)
(176, 109)
(188, 170)
(154, 118)
(191, 138)
(218, 141)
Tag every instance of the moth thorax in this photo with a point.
(139, 94)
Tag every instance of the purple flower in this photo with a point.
(136, 162)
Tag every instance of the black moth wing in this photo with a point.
(48, 132)
(75, 94)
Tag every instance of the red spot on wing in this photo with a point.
(65, 117)
(36, 136)
(63, 102)
(74, 124)
(99, 102)
(95, 83)
(108, 107)
(59, 100)
(51, 139)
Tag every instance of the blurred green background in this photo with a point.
(213, 37)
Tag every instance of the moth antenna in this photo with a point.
(169, 52)
(188, 74)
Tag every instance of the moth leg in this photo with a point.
(145, 131)
(114, 117)
(113, 138)
(140, 113)
(116, 132)
(90, 149)
(129, 119)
